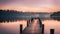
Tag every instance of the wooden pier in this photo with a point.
(34, 27)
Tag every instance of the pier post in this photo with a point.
(51, 31)
(42, 28)
(32, 20)
(40, 22)
(27, 23)
(21, 27)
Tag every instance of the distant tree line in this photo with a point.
(9, 15)
(13, 15)
(56, 15)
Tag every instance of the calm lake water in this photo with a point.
(13, 27)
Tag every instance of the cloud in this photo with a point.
(5, 1)
(30, 2)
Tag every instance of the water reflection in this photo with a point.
(13, 27)
(52, 24)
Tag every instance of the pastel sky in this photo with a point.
(31, 5)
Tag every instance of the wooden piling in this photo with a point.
(42, 28)
(27, 23)
(51, 31)
(21, 27)
(32, 20)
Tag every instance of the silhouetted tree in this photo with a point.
(56, 15)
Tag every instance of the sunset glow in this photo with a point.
(31, 5)
(29, 16)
